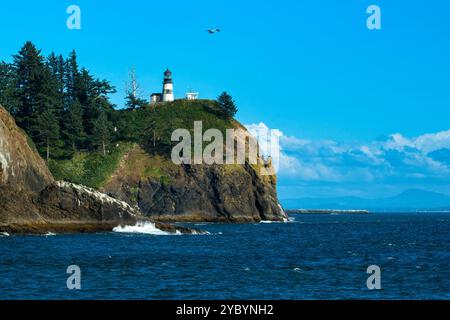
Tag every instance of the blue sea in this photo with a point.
(311, 257)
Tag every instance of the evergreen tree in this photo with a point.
(57, 70)
(126, 124)
(53, 98)
(102, 89)
(133, 93)
(84, 87)
(97, 102)
(226, 104)
(73, 125)
(133, 102)
(7, 87)
(55, 84)
(61, 66)
(102, 136)
(47, 132)
(29, 69)
(71, 78)
(36, 93)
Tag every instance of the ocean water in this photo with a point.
(313, 257)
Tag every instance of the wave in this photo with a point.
(144, 228)
(284, 221)
(50, 234)
(4, 234)
(205, 233)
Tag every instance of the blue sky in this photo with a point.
(308, 68)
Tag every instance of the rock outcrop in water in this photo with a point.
(32, 202)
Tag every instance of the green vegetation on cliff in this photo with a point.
(153, 126)
(150, 127)
(90, 169)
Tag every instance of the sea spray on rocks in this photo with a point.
(157, 229)
(144, 228)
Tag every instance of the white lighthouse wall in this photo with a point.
(168, 97)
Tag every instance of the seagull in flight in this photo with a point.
(212, 31)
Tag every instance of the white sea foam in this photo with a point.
(203, 233)
(144, 228)
(151, 229)
(4, 234)
(50, 234)
(284, 221)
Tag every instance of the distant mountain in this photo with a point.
(410, 200)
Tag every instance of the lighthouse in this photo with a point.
(168, 87)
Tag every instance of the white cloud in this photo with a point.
(426, 143)
(398, 157)
(432, 142)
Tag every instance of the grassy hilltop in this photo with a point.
(151, 128)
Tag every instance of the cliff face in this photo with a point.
(23, 173)
(21, 166)
(216, 193)
(30, 200)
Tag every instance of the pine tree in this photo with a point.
(61, 73)
(102, 136)
(38, 107)
(53, 97)
(84, 87)
(47, 132)
(133, 102)
(133, 93)
(55, 84)
(8, 97)
(97, 101)
(227, 105)
(73, 125)
(71, 78)
(29, 69)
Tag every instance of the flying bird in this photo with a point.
(212, 31)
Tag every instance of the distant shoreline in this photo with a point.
(326, 211)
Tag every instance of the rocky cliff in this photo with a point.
(143, 174)
(214, 193)
(32, 202)
(23, 173)
(144, 185)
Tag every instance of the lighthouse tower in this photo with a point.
(168, 87)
